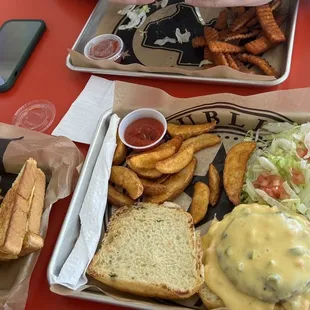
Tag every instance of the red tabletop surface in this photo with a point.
(46, 77)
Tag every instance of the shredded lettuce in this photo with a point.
(278, 155)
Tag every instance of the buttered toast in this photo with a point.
(20, 213)
(150, 250)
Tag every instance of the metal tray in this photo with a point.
(93, 21)
(71, 227)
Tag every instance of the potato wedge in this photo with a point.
(176, 162)
(120, 152)
(118, 199)
(148, 160)
(235, 168)
(187, 131)
(202, 141)
(163, 178)
(152, 188)
(150, 174)
(176, 184)
(176, 141)
(214, 185)
(200, 202)
(128, 180)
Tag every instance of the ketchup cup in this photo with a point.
(142, 114)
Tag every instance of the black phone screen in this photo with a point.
(15, 39)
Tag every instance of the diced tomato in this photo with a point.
(302, 152)
(272, 185)
(297, 177)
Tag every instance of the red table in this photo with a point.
(46, 77)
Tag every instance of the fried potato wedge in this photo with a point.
(176, 162)
(202, 141)
(176, 184)
(118, 199)
(128, 180)
(200, 202)
(235, 168)
(163, 178)
(152, 188)
(176, 142)
(148, 160)
(151, 174)
(188, 131)
(120, 152)
(214, 185)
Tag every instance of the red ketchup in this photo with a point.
(143, 132)
(104, 49)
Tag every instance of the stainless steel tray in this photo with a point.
(71, 225)
(92, 23)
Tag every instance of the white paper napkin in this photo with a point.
(72, 274)
(80, 122)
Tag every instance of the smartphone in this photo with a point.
(18, 38)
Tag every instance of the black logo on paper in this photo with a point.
(184, 18)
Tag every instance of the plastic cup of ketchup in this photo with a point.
(142, 129)
(105, 46)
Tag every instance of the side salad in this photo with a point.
(278, 172)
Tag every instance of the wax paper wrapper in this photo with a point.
(60, 160)
(235, 115)
(143, 54)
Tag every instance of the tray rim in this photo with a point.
(88, 295)
(193, 79)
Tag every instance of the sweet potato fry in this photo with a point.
(200, 202)
(221, 22)
(198, 42)
(210, 34)
(240, 65)
(151, 174)
(259, 46)
(152, 188)
(242, 19)
(237, 11)
(220, 59)
(231, 62)
(118, 199)
(188, 131)
(202, 141)
(241, 36)
(275, 4)
(253, 22)
(176, 162)
(228, 33)
(214, 185)
(235, 168)
(175, 184)
(120, 152)
(207, 54)
(269, 25)
(280, 19)
(260, 62)
(223, 47)
(128, 180)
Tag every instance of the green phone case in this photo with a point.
(23, 60)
